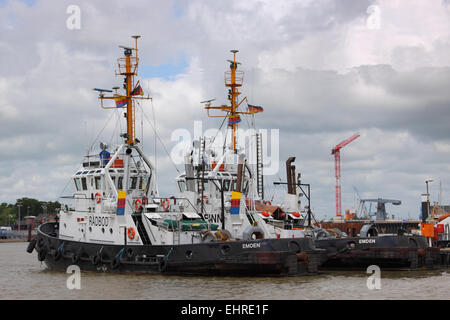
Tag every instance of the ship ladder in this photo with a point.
(259, 166)
(163, 262)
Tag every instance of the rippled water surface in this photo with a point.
(22, 276)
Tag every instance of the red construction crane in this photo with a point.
(337, 169)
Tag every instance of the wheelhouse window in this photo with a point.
(144, 183)
(133, 183)
(84, 183)
(182, 185)
(77, 184)
(226, 185)
(98, 183)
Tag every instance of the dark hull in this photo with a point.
(274, 257)
(387, 252)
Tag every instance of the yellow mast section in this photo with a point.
(128, 67)
(233, 79)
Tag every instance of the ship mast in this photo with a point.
(233, 80)
(128, 67)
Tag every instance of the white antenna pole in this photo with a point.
(86, 136)
(154, 125)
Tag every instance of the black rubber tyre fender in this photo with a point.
(42, 253)
(162, 265)
(75, 258)
(96, 259)
(57, 255)
(115, 263)
(31, 246)
(130, 253)
(40, 242)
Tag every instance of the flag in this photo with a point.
(121, 101)
(255, 109)
(137, 91)
(232, 119)
(122, 195)
(235, 202)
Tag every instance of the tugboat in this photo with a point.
(119, 222)
(225, 185)
(394, 251)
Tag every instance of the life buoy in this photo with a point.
(296, 214)
(131, 233)
(98, 197)
(165, 204)
(267, 203)
(137, 204)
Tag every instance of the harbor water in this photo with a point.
(24, 277)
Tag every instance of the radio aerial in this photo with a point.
(208, 102)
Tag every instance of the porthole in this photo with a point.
(111, 230)
(188, 254)
(103, 230)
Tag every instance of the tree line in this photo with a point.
(9, 212)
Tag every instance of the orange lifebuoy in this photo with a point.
(165, 204)
(296, 214)
(265, 214)
(137, 204)
(267, 203)
(98, 197)
(131, 233)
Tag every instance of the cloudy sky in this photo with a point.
(323, 70)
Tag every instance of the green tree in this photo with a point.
(9, 213)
